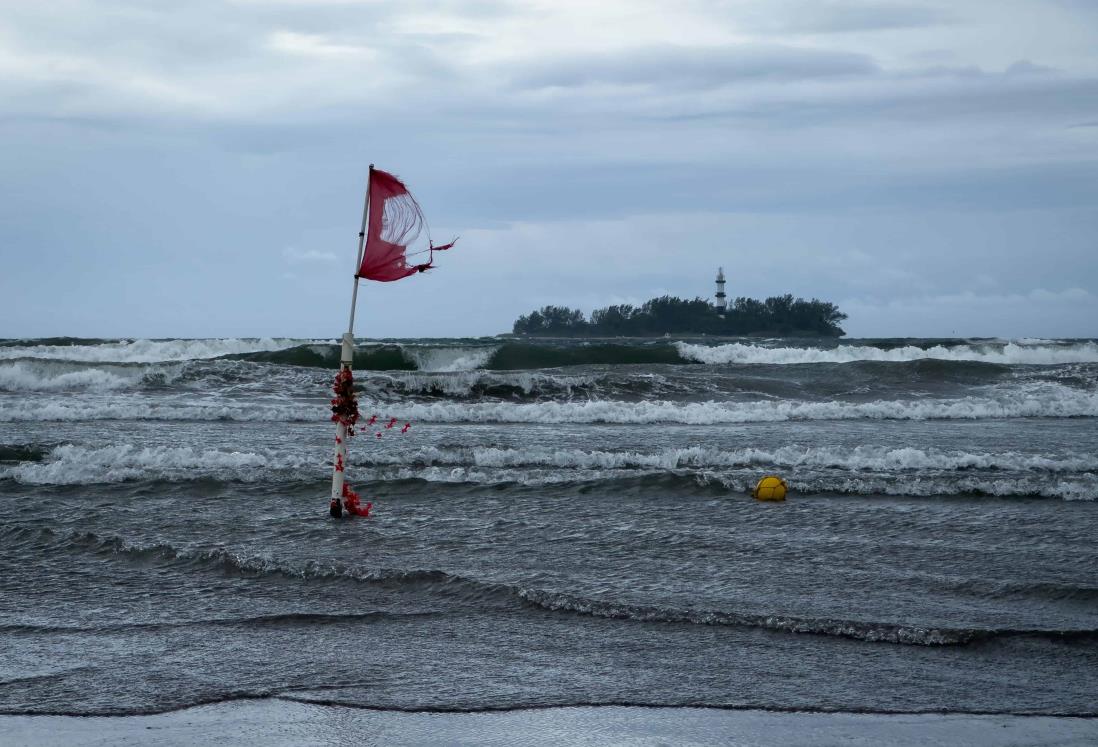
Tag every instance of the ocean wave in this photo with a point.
(288, 619)
(232, 562)
(868, 471)
(1028, 400)
(510, 356)
(522, 385)
(22, 376)
(1036, 400)
(525, 355)
(1011, 353)
(478, 591)
(1048, 591)
(716, 483)
(1075, 488)
(448, 359)
(326, 355)
(81, 465)
(148, 351)
(380, 356)
(872, 632)
(857, 458)
(73, 410)
(33, 375)
(23, 452)
(518, 356)
(57, 376)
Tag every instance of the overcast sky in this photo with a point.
(197, 168)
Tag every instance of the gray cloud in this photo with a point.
(833, 16)
(162, 157)
(695, 67)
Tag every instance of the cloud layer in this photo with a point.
(202, 163)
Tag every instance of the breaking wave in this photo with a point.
(468, 355)
(81, 465)
(1025, 400)
(857, 458)
(1010, 353)
(22, 376)
(147, 351)
(446, 359)
(73, 410)
(479, 591)
(689, 471)
(1037, 400)
(66, 376)
(450, 358)
(715, 483)
(383, 357)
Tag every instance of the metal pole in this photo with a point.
(347, 352)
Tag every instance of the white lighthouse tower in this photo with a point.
(722, 303)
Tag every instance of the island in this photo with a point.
(778, 316)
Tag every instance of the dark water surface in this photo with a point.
(564, 523)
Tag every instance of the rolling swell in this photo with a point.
(23, 452)
(289, 619)
(933, 369)
(515, 356)
(526, 354)
(478, 592)
(504, 357)
(871, 632)
(221, 560)
(518, 386)
(382, 358)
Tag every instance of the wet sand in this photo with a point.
(282, 722)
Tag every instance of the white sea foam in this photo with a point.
(152, 351)
(1003, 353)
(445, 359)
(857, 471)
(1082, 487)
(863, 470)
(869, 458)
(77, 465)
(1039, 399)
(72, 409)
(1044, 400)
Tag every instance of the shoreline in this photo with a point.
(281, 721)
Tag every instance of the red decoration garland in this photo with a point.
(345, 411)
(345, 404)
(350, 502)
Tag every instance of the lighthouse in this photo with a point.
(721, 304)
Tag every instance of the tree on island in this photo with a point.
(777, 315)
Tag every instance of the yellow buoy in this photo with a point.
(770, 488)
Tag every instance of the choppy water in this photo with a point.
(565, 522)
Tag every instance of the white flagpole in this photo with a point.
(347, 352)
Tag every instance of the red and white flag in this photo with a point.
(395, 232)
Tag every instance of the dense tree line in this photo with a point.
(778, 315)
